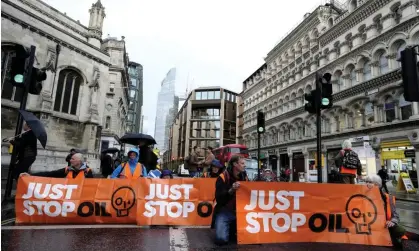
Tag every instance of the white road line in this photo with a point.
(67, 227)
(86, 226)
(178, 239)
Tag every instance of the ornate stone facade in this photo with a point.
(359, 45)
(71, 103)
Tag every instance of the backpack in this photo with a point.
(350, 159)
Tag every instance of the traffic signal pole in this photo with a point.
(258, 156)
(319, 128)
(19, 125)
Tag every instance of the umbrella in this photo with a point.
(36, 126)
(111, 150)
(134, 138)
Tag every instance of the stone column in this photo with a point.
(278, 173)
(376, 117)
(291, 167)
(364, 118)
(306, 165)
(337, 123)
(415, 110)
(397, 113)
(313, 65)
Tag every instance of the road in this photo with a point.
(409, 215)
(121, 238)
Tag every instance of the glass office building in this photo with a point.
(165, 104)
(135, 98)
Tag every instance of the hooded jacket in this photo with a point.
(132, 164)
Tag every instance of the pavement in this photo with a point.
(121, 238)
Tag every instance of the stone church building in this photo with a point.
(86, 80)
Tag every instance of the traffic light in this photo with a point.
(261, 122)
(18, 66)
(310, 107)
(326, 100)
(410, 74)
(35, 85)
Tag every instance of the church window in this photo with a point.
(67, 92)
(8, 91)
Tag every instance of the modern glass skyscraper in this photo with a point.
(135, 98)
(165, 105)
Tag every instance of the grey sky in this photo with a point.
(216, 42)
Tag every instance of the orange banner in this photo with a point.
(145, 201)
(52, 201)
(303, 212)
(176, 202)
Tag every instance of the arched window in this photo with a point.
(405, 108)
(108, 122)
(369, 113)
(353, 5)
(383, 61)
(8, 91)
(366, 71)
(67, 92)
(352, 76)
(400, 48)
(389, 109)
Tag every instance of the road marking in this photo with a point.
(11, 220)
(68, 227)
(85, 226)
(178, 239)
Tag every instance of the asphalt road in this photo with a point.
(122, 238)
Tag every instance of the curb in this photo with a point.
(408, 200)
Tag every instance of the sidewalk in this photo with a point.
(403, 196)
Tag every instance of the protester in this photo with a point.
(397, 232)
(106, 165)
(206, 164)
(68, 158)
(384, 177)
(27, 150)
(215, 171)
(192, 162)
(166, 174)
(224, 216)
(348, 163)
(131, 169)
(77, 169)
(147, 157)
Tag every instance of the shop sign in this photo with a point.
(253, 155)
(271, 152)
(298, 156)
(360, 139)
(409, 153)
(392, 155)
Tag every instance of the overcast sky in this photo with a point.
(215, 42)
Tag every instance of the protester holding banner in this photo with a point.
(215, 171)
(78, 169)
(224, 217)
(397, 232)
(131, 169)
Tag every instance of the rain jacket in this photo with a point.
(132, 164)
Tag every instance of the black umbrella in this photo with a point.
(36, 126)
(111, 150)
(135, 138)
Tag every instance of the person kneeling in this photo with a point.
(224, 217)
(397, 232)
